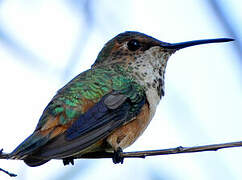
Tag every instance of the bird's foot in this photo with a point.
(68, 160)
(118, 158)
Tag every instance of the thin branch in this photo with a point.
(177, 150)
(143, 154)
(8, 173)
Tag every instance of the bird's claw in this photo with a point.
(68, 160)
(118, 158)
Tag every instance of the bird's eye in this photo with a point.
(133, 45)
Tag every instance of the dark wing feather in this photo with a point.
(96, 124)
(103, 112)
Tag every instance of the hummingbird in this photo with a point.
(105, 108)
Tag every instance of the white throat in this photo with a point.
(149, 70)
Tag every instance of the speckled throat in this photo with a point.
(148, 69)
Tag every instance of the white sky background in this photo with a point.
(202, 103)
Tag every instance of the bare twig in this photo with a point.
(8, 173)
(143, 154)
(177, 150)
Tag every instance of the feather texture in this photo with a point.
(83, 112)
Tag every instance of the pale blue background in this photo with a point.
(43, 44)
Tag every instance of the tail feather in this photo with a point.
(28, 146)
(33, 162)
(25, 150)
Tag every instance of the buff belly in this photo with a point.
(128, 133)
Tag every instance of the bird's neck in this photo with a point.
(149, 71)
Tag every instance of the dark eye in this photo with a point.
(133, 45)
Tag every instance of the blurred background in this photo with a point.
(44, 44)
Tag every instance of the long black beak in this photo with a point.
(181, 45)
